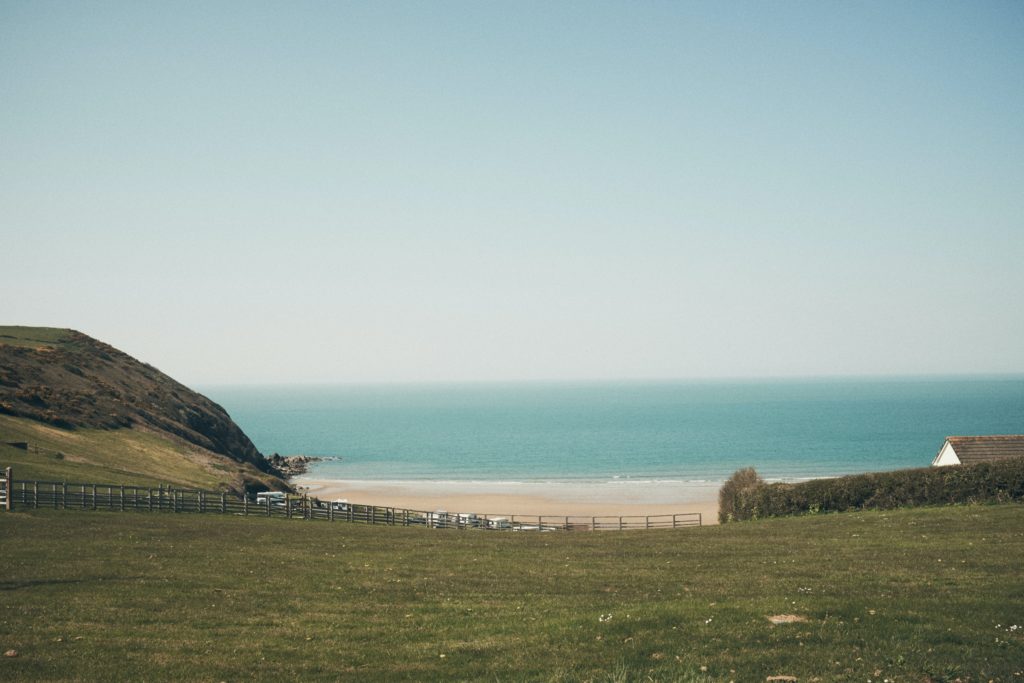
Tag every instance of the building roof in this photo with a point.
(973, 449)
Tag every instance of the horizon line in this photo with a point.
(623, 380)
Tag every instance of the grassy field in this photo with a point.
(912, 595)
(33, 337)
(122, 456)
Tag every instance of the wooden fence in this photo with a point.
(167, 499)
(5, 482)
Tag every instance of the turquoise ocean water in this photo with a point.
(614, 431)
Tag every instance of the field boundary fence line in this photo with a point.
(5, 493)
(170, 499)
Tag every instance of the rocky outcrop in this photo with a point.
(292, 465)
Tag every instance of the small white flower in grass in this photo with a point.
(708, 620)
(604, 618)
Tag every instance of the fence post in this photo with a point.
(245, 504)
(122, 498)
(9, 498)
(83, 496)
(267, 499)
(647, 522)
(35, 494)
(223, 503)
(620, 523)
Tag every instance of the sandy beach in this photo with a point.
(532, 498)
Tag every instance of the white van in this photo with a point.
(467, 519)
(274, 498)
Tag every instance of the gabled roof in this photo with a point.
(974, 449)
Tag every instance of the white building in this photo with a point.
(969, 450)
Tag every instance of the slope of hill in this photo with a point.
(58, 383)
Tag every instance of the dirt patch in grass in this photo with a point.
(786, 618)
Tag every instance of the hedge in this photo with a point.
(990, 482)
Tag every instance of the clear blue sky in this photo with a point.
(354, 192)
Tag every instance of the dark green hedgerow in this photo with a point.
(993, 482)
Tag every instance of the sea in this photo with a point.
(695, 432)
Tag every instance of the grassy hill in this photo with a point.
(918, 595)
(92, 413)
(123, 456)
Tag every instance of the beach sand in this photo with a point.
(512, 498)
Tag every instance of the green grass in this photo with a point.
(909, 595)
(32, 337)
(121, 456)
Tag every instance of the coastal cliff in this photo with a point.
(71, 381)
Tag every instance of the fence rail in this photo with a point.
(5, 483)
(167, 499)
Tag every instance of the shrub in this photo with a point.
(738, 487)
(746, 496)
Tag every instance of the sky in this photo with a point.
(293, 192)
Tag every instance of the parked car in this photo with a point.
(274, 498)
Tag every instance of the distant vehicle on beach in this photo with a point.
(274, 498)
